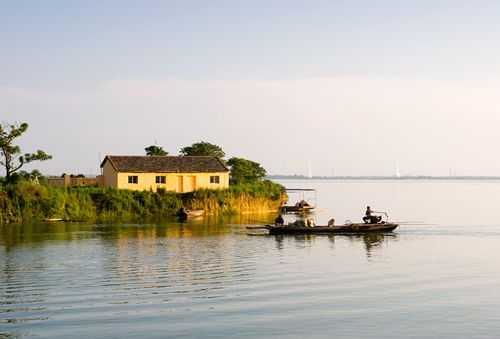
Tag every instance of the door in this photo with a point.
(180, 184)
(190, 183)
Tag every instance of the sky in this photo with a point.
(353, 87)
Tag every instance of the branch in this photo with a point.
(39, 155)
(16, 168)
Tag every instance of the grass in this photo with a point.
(26, 201)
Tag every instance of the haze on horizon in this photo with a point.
(352, 86)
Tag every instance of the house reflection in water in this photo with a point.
(180, 255)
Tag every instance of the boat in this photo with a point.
(302, 206)
(184, 214)
(195, 213)
(359, 228)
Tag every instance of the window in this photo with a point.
(133, 179)
(214, 179)
(161, 179)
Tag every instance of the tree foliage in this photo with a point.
(203, 148)
(10, 155)
(155, 150)
(245, 171)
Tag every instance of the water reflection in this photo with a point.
(36, 234)
(372, 242)
(52, 272)
(207, 278)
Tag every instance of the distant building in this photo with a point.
(173, 173)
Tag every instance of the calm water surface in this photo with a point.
(208, 278)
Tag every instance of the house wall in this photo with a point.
(56, 181)
(147, 181)
(109, 176)
(83, 182)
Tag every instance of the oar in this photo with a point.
(419, 223)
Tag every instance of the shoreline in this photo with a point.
(389, 178)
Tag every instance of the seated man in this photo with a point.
(279, 221)
(299, 223)
(369, 218)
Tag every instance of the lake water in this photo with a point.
(208, 278)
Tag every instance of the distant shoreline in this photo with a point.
(402, 178)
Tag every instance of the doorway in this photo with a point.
(180, 184)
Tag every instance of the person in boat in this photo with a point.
(279, 221)
(298, 223)
(331, 222)
(369, 218)
(182, 214)
(302, 204)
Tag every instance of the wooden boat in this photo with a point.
(360, 228)
(306, 200)
(195, 213)
(184, 214)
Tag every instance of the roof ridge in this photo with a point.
(163, 156)
(169, 163)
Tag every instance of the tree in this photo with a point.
(244, 171)
(203, 148)
(33, 176)
(155, 150)
(10, 154)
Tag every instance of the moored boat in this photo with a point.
(195, 213)
(303, 203)
(184, 214)
(360, 228)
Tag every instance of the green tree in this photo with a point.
(33, 175)
(203, 148)
(10, 155)
(244, 171)
(155, 150)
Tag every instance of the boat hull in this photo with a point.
(297, 209)
(195, 213)
(189, 214)
(343, 229)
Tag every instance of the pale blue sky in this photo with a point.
(351, 85)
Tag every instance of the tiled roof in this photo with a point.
(165, 164)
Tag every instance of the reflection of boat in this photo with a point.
(343, 229)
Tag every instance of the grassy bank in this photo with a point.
(26, 201)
